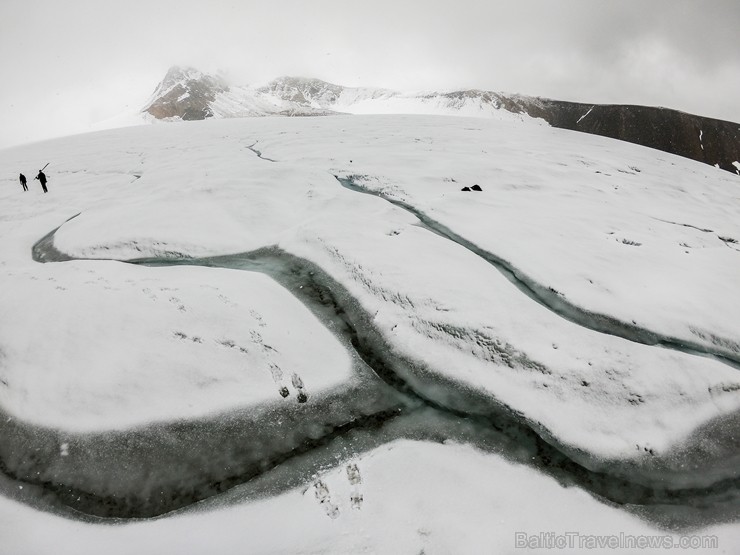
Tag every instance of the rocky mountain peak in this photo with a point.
(304, 91)
(185, 93)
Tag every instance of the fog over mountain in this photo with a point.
(189, 94)
(70, 64)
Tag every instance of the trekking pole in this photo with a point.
(42, 169)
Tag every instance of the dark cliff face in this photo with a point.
(707, 140)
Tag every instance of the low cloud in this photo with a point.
(100, 56)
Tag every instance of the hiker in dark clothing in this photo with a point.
(42, 178)
(23, 182)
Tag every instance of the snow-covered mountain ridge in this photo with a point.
(188, 94)
(195, 95)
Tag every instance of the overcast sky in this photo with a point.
(68, 63)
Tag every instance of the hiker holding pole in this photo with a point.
(42, 178)
(23, 182)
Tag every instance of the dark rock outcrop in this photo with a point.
(185, 94)
(707, 140)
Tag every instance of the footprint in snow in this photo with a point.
(256, 337)
(226, 300)
(257, 316)
(176, 301)
(298, 385)
(148, 292)
(321, 491)
(355, 479)
(277, 377)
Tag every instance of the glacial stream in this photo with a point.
(150, 471)
(551, 299)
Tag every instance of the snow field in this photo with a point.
(202, 191)
(99, 345)
(105, 345)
